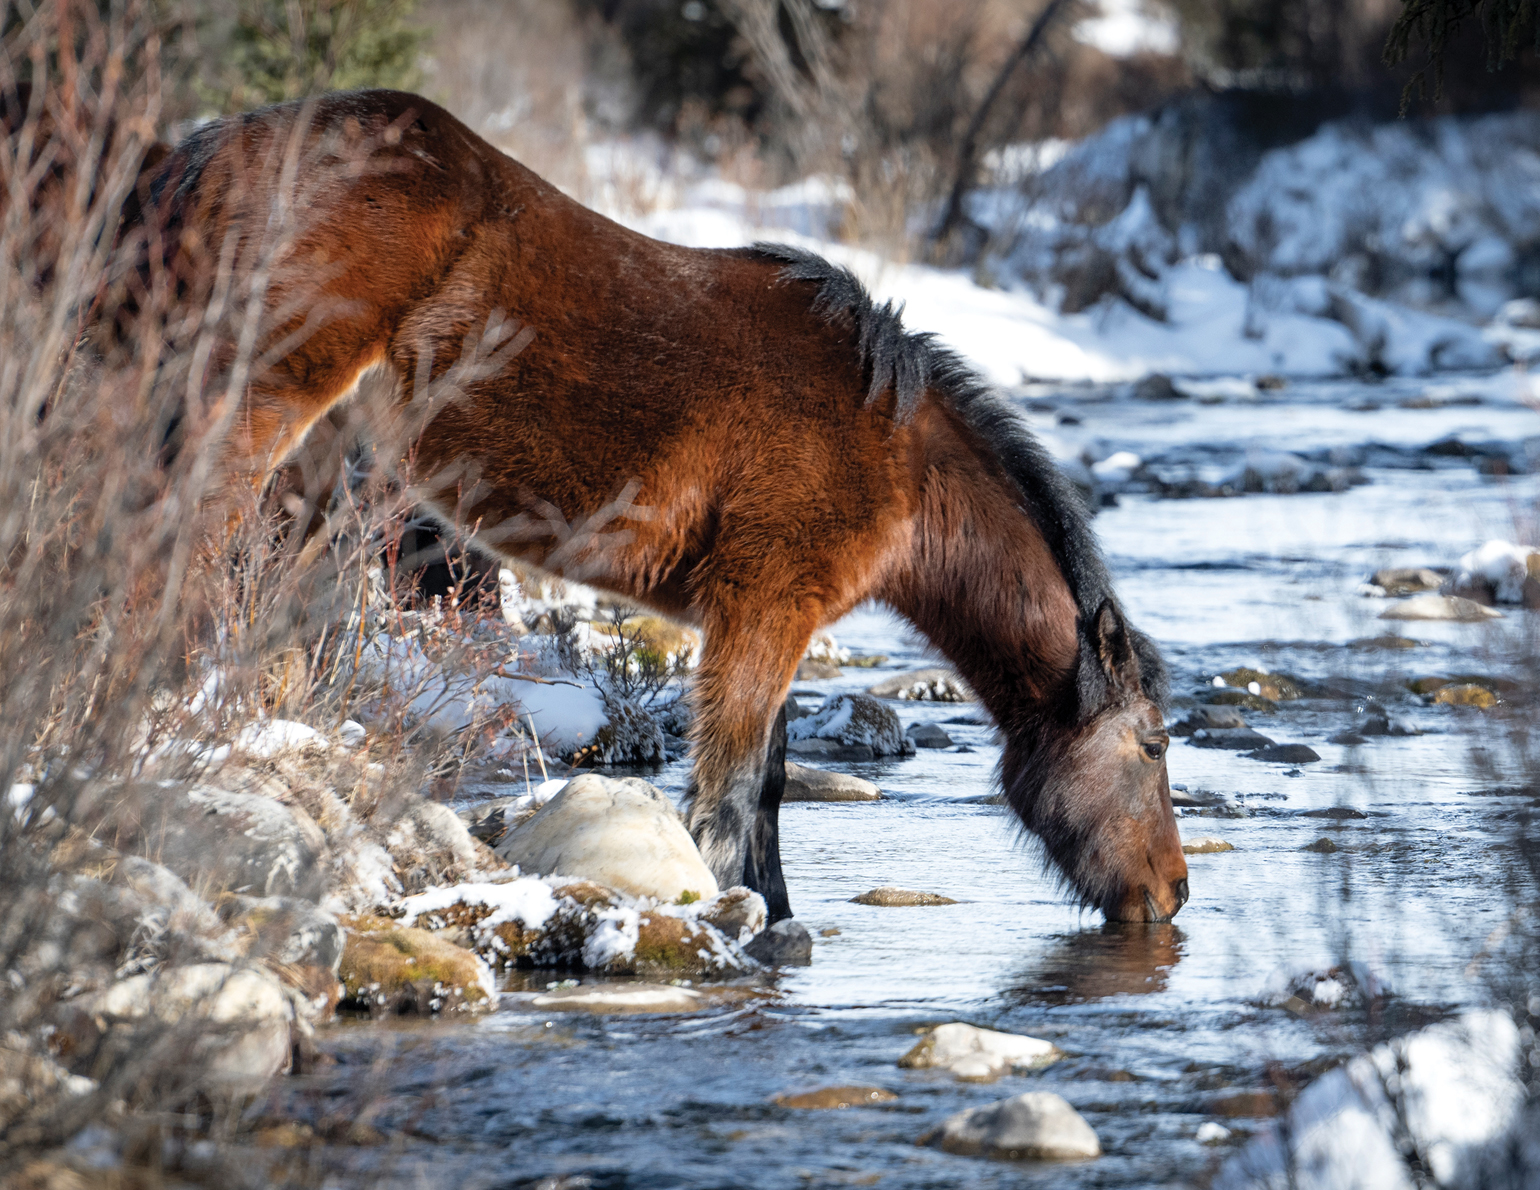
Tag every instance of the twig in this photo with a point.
(539, 754)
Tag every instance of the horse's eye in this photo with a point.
(1154, 749)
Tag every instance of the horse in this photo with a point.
(766, 446)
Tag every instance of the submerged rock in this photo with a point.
(1206, 846)
(1227, 697)
(891, 897)
(1234, 739)
(1440, 607)
(1465, 694)
(623, 998)
(936, 684)
(805, 784)
(852, 720)
(1036, 1126)
(928, 735)
(1285, 754)
(978, 1055)
(785, 944)
(834, 1098)
(623, 833)
(1208, 719)
(1273, 687)
(1406, 580)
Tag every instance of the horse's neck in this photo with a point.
(985, 589)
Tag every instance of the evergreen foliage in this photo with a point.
(1507, 26)
(284, 49)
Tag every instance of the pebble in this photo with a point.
(892, 897)
(1038, 1125)
(805, 784)
(1206, 846)
(833, 1098)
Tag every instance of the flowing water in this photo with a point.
(1166, 1027)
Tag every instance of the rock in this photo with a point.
(928, 735)
(623, 998)
(739, 913)
(490, 820)
(249, 1013)
(398, 970)
(1322, 846)
(1338, 812)
(830, 750)
(853, 721)
(1206, 846)
(431, 846)
(1240, 698)
(785, 944)
(899, 898)
(936, 684)
(286, 930)
(352, 734)
(1406, 580)
(1273, 687)
(794, 709)
(1498, 572)
(1210, 719)
(1285, 754)
(816, 785)
(978, 1055)
(631, 735)
(817, 671)
(1440, 607)
(1465, 694)
(834, 1098)
(1036, 1126)
(1351, 985)
(1234, 739)
(1156, 387)
(623, 833)
(1377, 722)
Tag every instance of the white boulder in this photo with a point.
(1038, 1126)
(978, 1055)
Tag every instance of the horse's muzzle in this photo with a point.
(1143, 905)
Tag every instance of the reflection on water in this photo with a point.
(1120, 959)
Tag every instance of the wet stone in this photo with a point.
(928, 735)
(1286, 754)
(1206, 846)
(805, 784)
(1037, 1126)
(1234, 739)
(623, 998)
(1340, 812)
(971, 1054)
(1209, 718)
(891, 897)
(1322, 846)
(1406, 580)
(1465, 694)
(834, 1098)
(1440, 607)
(1241, 698)
(785, 944)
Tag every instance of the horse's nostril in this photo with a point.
(1179, 890)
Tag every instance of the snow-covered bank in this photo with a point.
(1373, 249)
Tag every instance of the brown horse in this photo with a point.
(776, 448)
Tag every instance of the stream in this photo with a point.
(1166, 1027)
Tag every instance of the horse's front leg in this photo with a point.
(740, 755)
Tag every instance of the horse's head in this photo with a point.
(1095, 789)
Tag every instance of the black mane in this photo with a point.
(910, 363)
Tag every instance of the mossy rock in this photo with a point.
(1275, 687)
(667, 944)
(1465, 694)
(401, 970)
(1228, 697)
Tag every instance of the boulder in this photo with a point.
(928, 735)
(1406, 580)
(891, 897)
(1206, 846)
(785, 944)
(431, 845)
(239, 1019)
(631, 735)
(1273, 687)
(834, 1098)
(1498, 572)
(853, 721)
(622, 833)
(816, 785)
(1037, 1126)
(1234, 739)
(1432, 606)
(739, 913)
(935, 684)
(397, 970)
(1465, 694)
(623, 998)
(978, 1055)
(1208, 718)
(1285, 754)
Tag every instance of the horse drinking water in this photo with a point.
(776, 448)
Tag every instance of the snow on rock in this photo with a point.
(978, 1055)
(622, 833)
(1118, 467)
(271, 737)
(1448, 1091)
(525, 900)
(429, 843)
(1499, 572)
(855, 721)
(934, 684)
(1038, 1126)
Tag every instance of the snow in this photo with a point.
(1450, 1088)
(274, 736)
(1126, 27)
(526, 900)
(1500, 563)
(614, 937)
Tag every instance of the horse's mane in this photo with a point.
(912, 363)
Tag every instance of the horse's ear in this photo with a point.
(1114, 646)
